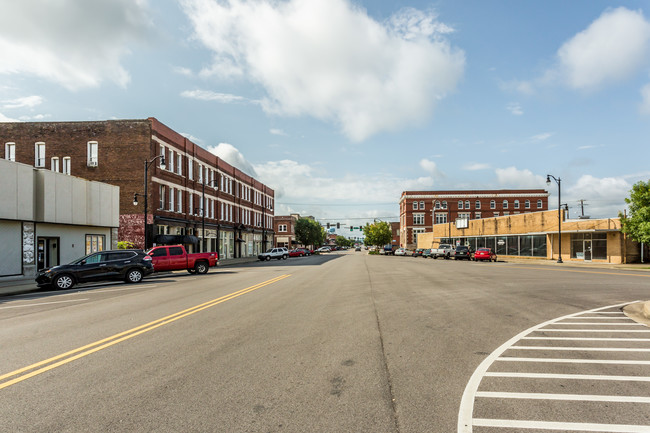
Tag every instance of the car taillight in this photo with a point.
(147, 258)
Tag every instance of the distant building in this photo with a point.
(285, 230)
(197, 199)
(420, 210)
(48, 219)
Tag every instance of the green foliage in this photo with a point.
(378, 233)
(125, 245)
(309, 232)
(637, 223)
(343, 242)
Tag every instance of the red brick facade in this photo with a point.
(420, 210)
(238, 208)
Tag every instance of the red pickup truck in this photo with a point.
(174, 258)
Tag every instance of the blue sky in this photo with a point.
(341, 105)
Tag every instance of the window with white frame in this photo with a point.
(444, 204)
(441, 218)
(54, 164)
(179, 164)
(282, 228)
(467, 204)
(10, 151)
(527, 204)
(505, 204)
(161, 197)
(460, 204)
(170, 161)
(437, 205)
(164, 155)
(516, 204)
(66, 165)
(179, 203)
(539, 204)
(506, 213)
(191, 204)
(415, 205)
(464, 215)
(39, 154)
(477, 215)
(477, 204)
(493, 204)
(418, 218)
(172, 194)
(496, 214)
(421, 205)
(416, 232)
(92, 154)
(200, 173)
(190, 168)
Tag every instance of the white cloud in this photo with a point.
(76, 44)
(234, 157)
(542, 137)
(612, 48)
(515, 178)
(4, 118)
(431, 167)
(645, 99)
(24, 102)
(207, 95)
(605, 197)
(330, 60)
(515, 108)
(476, 166)
(276, 131)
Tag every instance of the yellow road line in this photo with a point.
(578, 271)
(122, 336)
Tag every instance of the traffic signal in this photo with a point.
(338, 225)
(328, 225)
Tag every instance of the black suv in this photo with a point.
(127, 265)
(463, 252)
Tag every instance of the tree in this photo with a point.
(637, 224)
(342, 241)
(378, 233)
(309, 232)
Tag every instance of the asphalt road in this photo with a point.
(343, 342)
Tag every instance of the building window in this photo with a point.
(416, 232)
(54, 164)
(191, 205)
(466, 204)
(93, 154)
(496, 214)
(282, 228)
(161, 204)
(527, 204)
(95, 243)
(170, 161)
(477, 215)
(162, 152)
(493, 204)
(172, 194)
(506, 213)
(66, 165)
(516, 204)
(464, 215)
(441, 218)
(190, 171)
(179, 205)
(10, 151)
(179, 164)
(437, 205)
(415, 205)
(539, 204)
(477, 204)
(39, 154)
(200, 173)
(421, 205)
(418, 218)
(444, 205)
(505, 204)
(460, 204)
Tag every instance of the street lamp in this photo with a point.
(146, 193)
(203, 217)
(559, 211)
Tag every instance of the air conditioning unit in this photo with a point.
(92, 163)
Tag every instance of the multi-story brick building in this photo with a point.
(284, 227)
(420, 210)
(197, 199)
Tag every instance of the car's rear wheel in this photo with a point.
(201, 268)
(133, 276)
(268, 258)
(63, 282)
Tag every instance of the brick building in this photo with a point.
(420, 210)
(195, 190)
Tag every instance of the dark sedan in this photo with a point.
(128, 265)
(463, 252)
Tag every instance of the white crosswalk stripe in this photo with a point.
(599, 364)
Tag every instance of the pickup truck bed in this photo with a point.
(175, 257)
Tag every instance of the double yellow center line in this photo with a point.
(65, 358)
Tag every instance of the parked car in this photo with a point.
(128, 265)
(401, 252)
(417, 252)
(323, 250)
(463, 252)
(176, 258)
(443, 250)
(299, 252)
(485, 254)
(426, 253)
(274, 253)
(357, 248)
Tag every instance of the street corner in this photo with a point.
(639, 312)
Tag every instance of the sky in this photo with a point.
(341, 105)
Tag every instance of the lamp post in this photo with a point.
(203, 217)
(559, 211)
(146, 192)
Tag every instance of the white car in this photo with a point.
(274, 253)
(323, 250)
(400, 252)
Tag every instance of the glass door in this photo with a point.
(587, 250)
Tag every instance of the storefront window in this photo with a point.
(539, 245)
(489, 243)
(502, 246)
(599, 246)
(526, 246)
